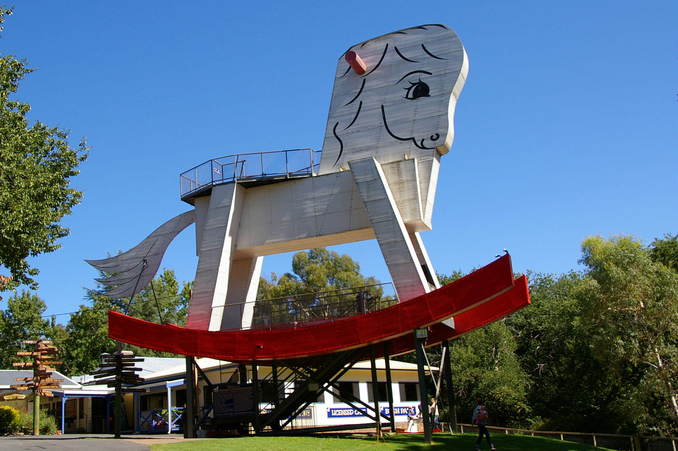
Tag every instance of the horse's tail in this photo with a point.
(130, 272)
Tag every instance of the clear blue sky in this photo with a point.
(566, 127)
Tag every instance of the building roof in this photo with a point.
(8, 377)
(149, 366)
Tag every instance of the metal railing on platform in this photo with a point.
(322, 306)
(276, 164)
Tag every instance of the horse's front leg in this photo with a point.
(403, 251)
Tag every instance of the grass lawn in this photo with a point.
(398, 442)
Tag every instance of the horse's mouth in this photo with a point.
(419, 145)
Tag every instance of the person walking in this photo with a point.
(434, 415)
(480, 416)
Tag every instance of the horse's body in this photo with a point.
(387, 129)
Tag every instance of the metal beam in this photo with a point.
(375, 390)
(451, 397)
(420, 336)
(189, 429)
(257, 398)
(389, 386)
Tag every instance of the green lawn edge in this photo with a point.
(460, 442)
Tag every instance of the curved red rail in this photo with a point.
(474, 300)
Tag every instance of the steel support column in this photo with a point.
(420, 336)
(451, 398)
(189, 413)
(375, 390)
(257, 398)
(389, 386)
(242, 374)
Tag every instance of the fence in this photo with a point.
(613, 441)
(323, 306)
(249, 166)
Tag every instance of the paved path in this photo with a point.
(81, 442)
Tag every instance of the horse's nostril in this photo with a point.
(434, 137)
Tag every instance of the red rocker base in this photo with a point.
(475, 300)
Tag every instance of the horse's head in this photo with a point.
(394, 97)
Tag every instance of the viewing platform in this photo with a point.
(252, 168)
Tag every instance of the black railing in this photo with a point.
(323, 306)
(249, 166)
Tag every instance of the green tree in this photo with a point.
(37, 163)
(568, 388)
(22, 320)
(486, 368)
(316, 270)
(665, 251)
(631, 305)
(87, 330)
(600, 345)
(322, 286)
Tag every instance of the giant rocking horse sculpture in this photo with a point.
(390, 122)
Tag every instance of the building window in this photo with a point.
(154, 401)
(409, 391)
(346, 389)
(381, 391)
(180, 398)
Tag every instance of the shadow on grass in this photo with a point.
(408, 442)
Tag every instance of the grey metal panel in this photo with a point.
(376, 115)
(243, 282)
(131, 271)
(403, 181)
(392, 236)
(215, 248)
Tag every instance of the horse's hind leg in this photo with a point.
(401, 254)
(222, 285)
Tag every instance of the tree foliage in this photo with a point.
(316, 270)
(600, 345)
(37, 164)
(87, 330)
(486, 368)
(631, 305)
(22, 320)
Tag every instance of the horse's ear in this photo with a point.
(394, 97)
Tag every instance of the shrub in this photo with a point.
(26, 422)
(9, 420)
(48, 425)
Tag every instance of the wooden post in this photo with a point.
(36, 413)
(451, 399)
(420, 336)
(375, 391)
(389, 386)
(117, 412)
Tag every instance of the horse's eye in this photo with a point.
(416, 90)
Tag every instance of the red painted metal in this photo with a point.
(473, 301)
(356, 62)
